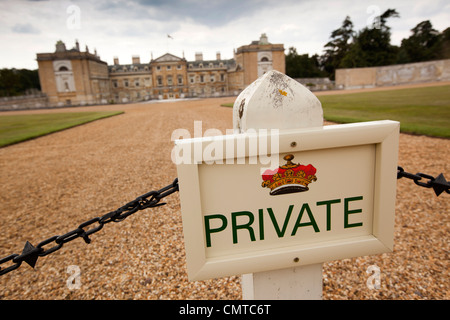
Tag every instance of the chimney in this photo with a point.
(198, 56)
(60, 46)
(217, 55)
(77, 45)
(136, 60)
(263, 39)
(116, 61)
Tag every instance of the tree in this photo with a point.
(371, 46)
(9, 82)
(29, 80)
(422, 45)
(444, 46)
(302, 66)
(337, 47)
(15, 82)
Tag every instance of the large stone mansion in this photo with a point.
(74, 77)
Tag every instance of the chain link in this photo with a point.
(30, 253)
(150, 200)
(439, 184)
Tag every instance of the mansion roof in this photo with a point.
(197, 65)
(169, 58)
(62, 53)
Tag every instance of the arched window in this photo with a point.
(264, 59)
(63, 68)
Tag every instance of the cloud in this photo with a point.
(212, 13)
(127, 27)
(25, 28)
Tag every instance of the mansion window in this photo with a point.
(192, 79)
(202, 78)
(211, 78)
(169, 67)
(125, 83)
(179, 67)
(158, 68)
(136, 82)
(114, 83)
(169, 81)
(180, 80)
(222, 77)
(159, 81)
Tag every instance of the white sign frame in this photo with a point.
(383, 134)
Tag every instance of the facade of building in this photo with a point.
(73, 77)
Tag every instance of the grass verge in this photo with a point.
(18, 128)
(423, 110)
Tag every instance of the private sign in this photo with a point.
(279, 228)
(331, 196)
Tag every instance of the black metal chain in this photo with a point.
(30, 254)
(439, 184)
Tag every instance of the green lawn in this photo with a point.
(18, 128)
(423, 110)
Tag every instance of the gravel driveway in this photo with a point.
(52, 184)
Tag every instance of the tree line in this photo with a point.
(370, 47)
(16, 82)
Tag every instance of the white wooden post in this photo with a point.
(275, 101)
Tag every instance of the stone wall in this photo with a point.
(316, 84)
(420, 72)
(36, 101)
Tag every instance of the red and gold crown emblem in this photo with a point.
(289, 178)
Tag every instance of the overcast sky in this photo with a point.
(141, 27)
